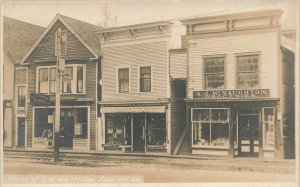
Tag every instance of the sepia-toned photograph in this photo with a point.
(128, 92)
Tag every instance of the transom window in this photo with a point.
(145, 79)
(210, 127)
(123, 80)
(247, 71)
(72, 80)
(214, 74)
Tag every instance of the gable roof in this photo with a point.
(19, 37)
(85, 32)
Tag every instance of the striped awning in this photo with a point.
(147, 109)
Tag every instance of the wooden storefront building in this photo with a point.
(79, 86)
(237, 91)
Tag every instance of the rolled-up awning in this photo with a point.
(148, 109)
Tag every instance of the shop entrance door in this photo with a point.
(21, 132)
(248, 141)
(139, 132)
(67, 129)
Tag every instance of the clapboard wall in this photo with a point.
(265, 43)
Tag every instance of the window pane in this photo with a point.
(123, 76)
(52, 82)
(248, 72)
(156, 129)
(214, 73)
(42, 127)
(67, 80)
(201, 134)
(219, 115)
(220, 134)
(201, 114)
(118, 129)
(269, 128)
(43, 80)
(145, 79)
(81, 123)
(79, 79)
(21, 96)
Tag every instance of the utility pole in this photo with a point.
(60, 67)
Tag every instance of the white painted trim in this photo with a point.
(139, 77)
(123, 42)
(117, 79)
(56, 18)
(74, 79)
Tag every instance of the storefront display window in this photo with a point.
(156, 129)
(43, 123)
(210, 127)
(118, 129)
(269, 128)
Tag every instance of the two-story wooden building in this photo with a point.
(136, 105)
(79, 86)
(237, 94)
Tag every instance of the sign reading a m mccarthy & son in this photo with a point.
(219, 94)
(39, 99)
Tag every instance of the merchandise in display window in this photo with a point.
(210, 127)
(118, 129)
(269, 128)
(156, 130)
(43, 123)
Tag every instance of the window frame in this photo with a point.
(265, 146)
(210, 122)
(117, 79)
(73, 83)
(17, 103)
(139, 78)
(237, 72)
(204, 73)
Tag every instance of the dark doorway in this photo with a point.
(67, 128)
(139, 132)
(21, 132)
(249, 135)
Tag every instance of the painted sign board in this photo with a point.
(39, 99)
(221, 94)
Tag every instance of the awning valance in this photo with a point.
(148, 109)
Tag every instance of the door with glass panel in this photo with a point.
(249, 135)
(67, 128)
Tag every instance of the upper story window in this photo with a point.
(73, 80)
(247, 71)
(145, 79)
(214, 72)
(46, 80)
(21, 96)
(123, 80)
(67, 80)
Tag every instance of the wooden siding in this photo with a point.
(178, 63)
(154, 54)
(46, 48)
(264, 43)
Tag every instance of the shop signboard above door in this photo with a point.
(220, 94)
(39, 99)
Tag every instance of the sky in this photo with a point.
(127, 12)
